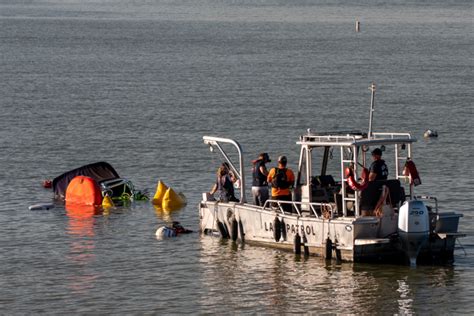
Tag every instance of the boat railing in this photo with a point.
(391, 135)
(328, 138)
(213, 141)
(297, 206)
(341, 137)
(430, 199)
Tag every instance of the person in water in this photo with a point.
(224, 184)
(282, 180)
(259, 183)
(378, 169)
(173, 231)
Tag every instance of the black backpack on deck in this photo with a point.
(280, 179)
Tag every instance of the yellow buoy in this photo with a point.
(160, 193)
(107, 202)
(173, 200)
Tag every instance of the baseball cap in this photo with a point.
(377, 151)
(265, 157)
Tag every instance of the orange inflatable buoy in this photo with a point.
(353, 184)
(83, 190)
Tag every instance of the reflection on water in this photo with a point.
(165, 214)
(404, 302)
(81, 254)
(81, 219)
(267, 280)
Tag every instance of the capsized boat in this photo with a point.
(328, 205)
(90, 183)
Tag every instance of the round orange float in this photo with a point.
(83, 190)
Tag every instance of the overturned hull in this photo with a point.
(362, 239)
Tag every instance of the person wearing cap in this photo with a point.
(282, 180)
(378, 169)
(259, 182)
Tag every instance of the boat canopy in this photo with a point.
(354, 139)
(353, 146)
(98, 171)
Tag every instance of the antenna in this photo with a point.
(372, 109)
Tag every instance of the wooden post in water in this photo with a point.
(357, 26)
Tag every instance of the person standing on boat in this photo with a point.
(378, 169)
(260, 184)
(282, 180)
(224, 185)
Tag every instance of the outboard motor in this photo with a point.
(413, 228)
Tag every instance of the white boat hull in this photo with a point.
(344, 238)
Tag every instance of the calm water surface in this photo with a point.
(138, 83)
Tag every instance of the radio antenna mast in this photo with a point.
(372, 109)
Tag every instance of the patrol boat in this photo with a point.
(335, 214)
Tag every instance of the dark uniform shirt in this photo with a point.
(259, 179)
(380, 169)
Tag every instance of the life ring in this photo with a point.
(411, 171)
(353, 184)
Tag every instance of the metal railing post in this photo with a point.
(214, 141)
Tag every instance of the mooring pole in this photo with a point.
(372, 104)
